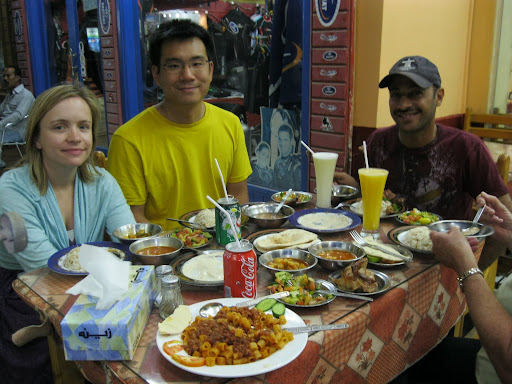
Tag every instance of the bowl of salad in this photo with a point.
(295, 198)
(304, 290)
(192, 238)
(417, 217)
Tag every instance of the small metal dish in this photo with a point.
(252, 211)
(481, 231)
(334, 265)
(341, 193)
(300, 254)
(295, 198)
(130, 233)
(156, 260)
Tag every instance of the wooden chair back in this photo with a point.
(100, 160)
(490, 126)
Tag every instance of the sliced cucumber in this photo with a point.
(373, 259)
(266, 304)
(278, 309)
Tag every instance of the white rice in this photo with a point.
(71, 262)
(206, 218)
(418, 238)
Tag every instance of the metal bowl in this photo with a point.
(445, 225)
(288, 253)
(162, 259)
(292, 200)
(123, 233)
(251, 211)
(342, 193)
(334, 265)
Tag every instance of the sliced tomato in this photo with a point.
(173, 346)
(189, 361)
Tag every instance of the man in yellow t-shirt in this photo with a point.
(164, 158)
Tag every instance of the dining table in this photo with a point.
(384, 337)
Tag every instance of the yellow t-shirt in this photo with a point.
(171, 167)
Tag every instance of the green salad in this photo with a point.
(302, 289)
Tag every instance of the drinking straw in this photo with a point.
(309, 149)
(365, 155)
(229, 218)
(222, 179)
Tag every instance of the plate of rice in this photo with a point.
(204, 218)
(66, 261)
(415, 238)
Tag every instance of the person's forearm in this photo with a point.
(493, 324)
(239, 191)
(138, 213)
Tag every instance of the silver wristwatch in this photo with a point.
(465, 275)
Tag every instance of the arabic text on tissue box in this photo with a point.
(90, 333)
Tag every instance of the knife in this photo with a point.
(315, 328)
(277, 295)
(340, 294)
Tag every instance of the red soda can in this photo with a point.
(240, 270)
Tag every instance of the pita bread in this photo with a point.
(385, 258)
(291, 238)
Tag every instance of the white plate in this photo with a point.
(275, 361)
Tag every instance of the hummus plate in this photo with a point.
(325, 220)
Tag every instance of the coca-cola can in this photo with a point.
(240, 270)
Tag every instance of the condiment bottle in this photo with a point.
(160, 272)
(171, 295)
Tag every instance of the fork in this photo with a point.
(361, 241)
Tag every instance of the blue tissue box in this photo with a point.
(110, 334)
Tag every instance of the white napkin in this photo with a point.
(108, 279)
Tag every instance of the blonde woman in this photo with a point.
(63, 200)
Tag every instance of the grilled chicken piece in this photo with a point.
(357, 278)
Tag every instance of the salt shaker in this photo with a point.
(171, 295)
(160, 272)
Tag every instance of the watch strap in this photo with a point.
(465, 275)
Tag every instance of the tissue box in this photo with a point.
(110, 334)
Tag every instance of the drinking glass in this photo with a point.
(372, 181)
(325, 163)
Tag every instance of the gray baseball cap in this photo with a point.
(417, 68)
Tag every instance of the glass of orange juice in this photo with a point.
(372, 181)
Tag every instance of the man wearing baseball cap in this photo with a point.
(435, 168)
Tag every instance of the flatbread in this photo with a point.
(291, 238)
(377, 253)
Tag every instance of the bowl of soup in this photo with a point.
(295, 261)
(264, 216)
(335, 255)
(130, 233)
(156, 250)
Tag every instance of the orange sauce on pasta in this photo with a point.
(156, 250)
(337, 254)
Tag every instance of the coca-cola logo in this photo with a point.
(248, 269)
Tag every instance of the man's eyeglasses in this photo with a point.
(178, 66)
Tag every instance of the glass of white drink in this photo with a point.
(325, 163)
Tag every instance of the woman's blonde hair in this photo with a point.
(42, 105)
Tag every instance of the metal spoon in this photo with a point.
(342, 205)
(195, 225)
(283, 201)
(211, 309)
(315, 328)
(475, 220)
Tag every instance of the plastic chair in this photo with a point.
(3, 143)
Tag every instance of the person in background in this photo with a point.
(464, 360)
(434, 167)
(287, 165)
(262, 173)
(14, 107)
(63, 200)
(164, 158)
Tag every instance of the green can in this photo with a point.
(223, 232)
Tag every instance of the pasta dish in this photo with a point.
(234, 336)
